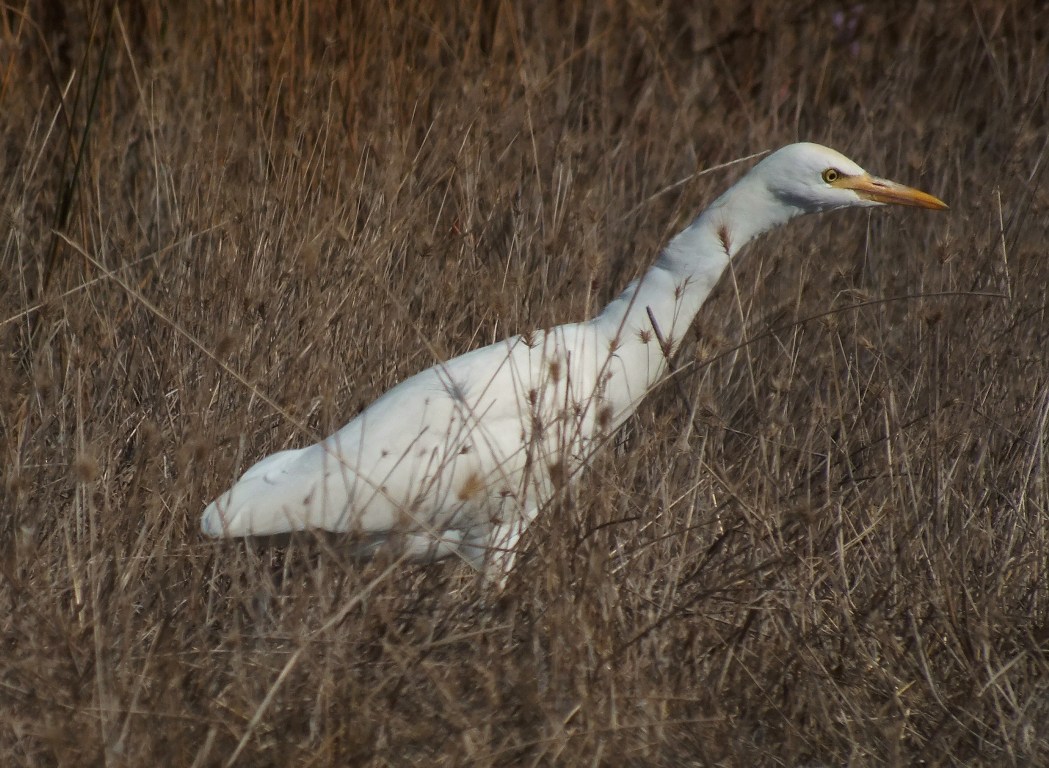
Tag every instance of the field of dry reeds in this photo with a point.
(227, 227)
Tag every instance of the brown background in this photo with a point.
(830, 547)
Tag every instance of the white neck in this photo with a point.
(670, 293)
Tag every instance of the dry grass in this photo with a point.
(227, 227)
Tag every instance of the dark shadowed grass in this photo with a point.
(227, 228)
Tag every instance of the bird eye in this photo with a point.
(831, 175)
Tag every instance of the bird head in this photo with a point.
(814, 178)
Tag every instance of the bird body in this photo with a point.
(458, 459)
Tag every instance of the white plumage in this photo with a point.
(460, 458)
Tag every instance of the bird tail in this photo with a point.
(262, 503)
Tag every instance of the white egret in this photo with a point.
(458, 459)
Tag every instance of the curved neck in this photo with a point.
(662, 304)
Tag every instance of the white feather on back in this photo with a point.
(452, 453)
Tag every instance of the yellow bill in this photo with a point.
(889, 192)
